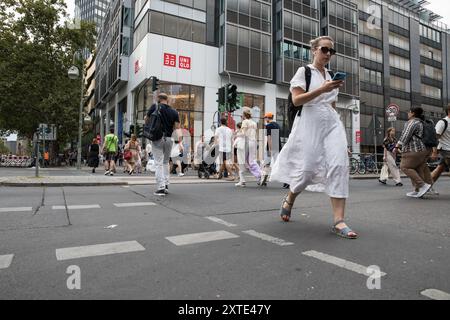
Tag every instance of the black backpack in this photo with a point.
(429, 137)
(445, 125)
(294, 110)
(154, 128)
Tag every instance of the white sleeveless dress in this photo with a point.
(315, 156)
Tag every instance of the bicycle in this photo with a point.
(370, 164)
(356, 165)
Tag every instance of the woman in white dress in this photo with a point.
(250, 128)
(315, 156)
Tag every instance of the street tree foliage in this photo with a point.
(36, 50)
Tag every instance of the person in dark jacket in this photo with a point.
(94, 151)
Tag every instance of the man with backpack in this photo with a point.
(443, 134)
(161, 120)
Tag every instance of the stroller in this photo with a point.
(208, 165)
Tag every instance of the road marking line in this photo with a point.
(215, 219)
(268, 238)
(201, 237)
(77, 207)
(351, 266)
(435, 294)
(16, 209)
(98, 250)
(5, 261)
(134, 204)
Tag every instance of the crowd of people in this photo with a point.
(315, 157)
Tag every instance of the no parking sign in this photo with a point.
(392, 112)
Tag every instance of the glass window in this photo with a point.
(243, 60)
(232, 34)
(200, 5)
(198, 32)
(185, 29)
(171, 26)
(243, 37)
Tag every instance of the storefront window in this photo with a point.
(187, 100)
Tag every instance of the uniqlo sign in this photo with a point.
(184, 63)
(170, 60)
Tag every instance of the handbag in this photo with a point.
(127, 155)
(384, 172)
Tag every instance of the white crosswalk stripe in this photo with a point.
(217, 220)
(193, 238)
(134, 204)
(98, 250)
(5, 261)
(268, 238)
(77, 207)
(16, 209)
(435, 294)
(348, 265)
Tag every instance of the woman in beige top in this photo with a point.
(135, 149)
(249, 127)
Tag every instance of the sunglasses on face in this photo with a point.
(325, 50)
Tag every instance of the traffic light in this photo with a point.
(155, 84)
(232, 97)
(221, 98)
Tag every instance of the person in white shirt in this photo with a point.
(315, 155)
(239, 145)
(249, 127)
(224, 138)
(443, 133)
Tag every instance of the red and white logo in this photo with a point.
(170, 60)
(184, 63)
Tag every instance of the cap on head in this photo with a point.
(268, 115)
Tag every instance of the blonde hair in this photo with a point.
(247, 112)
(315, 42)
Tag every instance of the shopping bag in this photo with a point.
(384, 173)
(150, 165)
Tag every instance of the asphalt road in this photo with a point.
(254, 255)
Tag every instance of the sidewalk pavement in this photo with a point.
(58, 177)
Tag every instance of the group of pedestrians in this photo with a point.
(315, 156)
(416, 151)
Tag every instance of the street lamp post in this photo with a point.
(74, 73)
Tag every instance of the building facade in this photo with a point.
(196, 46)
(91, 11)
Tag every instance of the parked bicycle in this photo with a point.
(362, 164)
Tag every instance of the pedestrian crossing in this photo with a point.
(192, 240)
(80, 207)
(98, 250)
(5, 261)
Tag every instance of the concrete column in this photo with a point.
(102, 124)
(116, 113)
(108, 120)
(130, 109)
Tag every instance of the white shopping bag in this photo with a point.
(384, 173)
(150, 165)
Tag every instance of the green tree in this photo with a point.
(36, 50)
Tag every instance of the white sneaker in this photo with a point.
(181, 174)
(412, 194)
(432, 192)
(424, 189)
(106, 173)
(240, 184)
(111, 173)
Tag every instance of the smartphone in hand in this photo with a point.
(339, 76)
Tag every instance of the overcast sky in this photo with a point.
(441, 7)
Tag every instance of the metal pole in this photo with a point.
(375, 137)
(36, 155)
(80, 120)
